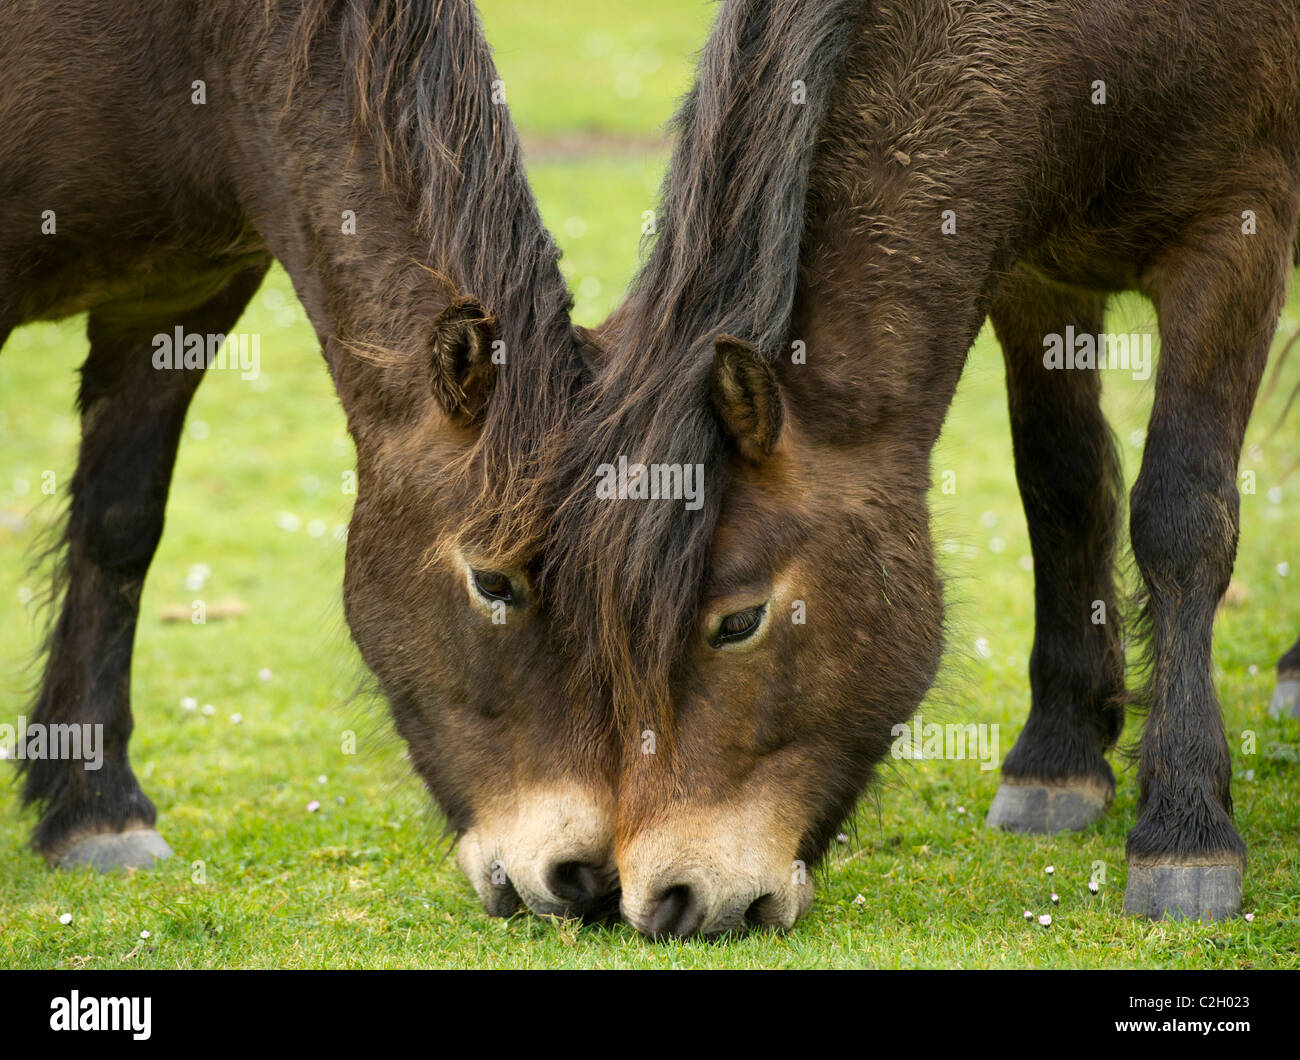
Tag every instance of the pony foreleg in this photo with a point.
(1218, 297)
(1056, 777)
(93, 810)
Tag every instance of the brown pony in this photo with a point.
(856, 187)
(157, 157)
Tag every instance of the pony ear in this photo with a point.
(746, 396)
(464, 374)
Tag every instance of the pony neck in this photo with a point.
(395, 183)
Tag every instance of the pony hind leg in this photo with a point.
(93, 811)
(1056, 777)
(1286, 696)
(1218, 298)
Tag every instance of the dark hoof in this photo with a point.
(1048, 808)
(1286, 697)
(1183, 892)
(138, 848)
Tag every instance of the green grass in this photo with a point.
(589, 67)
(365, 882)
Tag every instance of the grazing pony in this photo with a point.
(157, 157)
(856, 187)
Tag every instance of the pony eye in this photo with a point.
(492, 585)
(740, 625)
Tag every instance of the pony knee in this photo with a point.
(116, 526)
(1184, 533)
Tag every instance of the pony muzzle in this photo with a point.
(711, 875)
(551, 851)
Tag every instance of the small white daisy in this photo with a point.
(65, 918)
(1045, 920)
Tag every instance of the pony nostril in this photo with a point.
(762, 912)
(575, 882)
(676, 914)
(502, 900)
